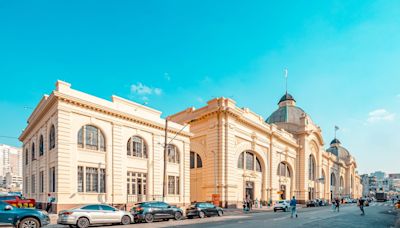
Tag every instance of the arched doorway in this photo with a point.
(285, 180)
(251, 166)
(333, 185)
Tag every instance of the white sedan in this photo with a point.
(87, 215)
(282, 205)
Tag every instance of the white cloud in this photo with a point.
(380, 115)
(142, 89)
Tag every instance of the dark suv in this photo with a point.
(22, 217)
(202, 210)
(150, 211)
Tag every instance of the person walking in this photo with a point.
(50, 201)
(337, 204)
(361, 205)
(293, 207)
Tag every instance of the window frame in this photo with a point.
(173, 158)
(52, 137)
(132, 147)
(41, 146)
(256, 161)
(100, 140)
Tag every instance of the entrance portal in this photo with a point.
(283, 192)
(249, 190)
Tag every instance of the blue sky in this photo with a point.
(343, 59)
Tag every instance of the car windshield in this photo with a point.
(281, 201)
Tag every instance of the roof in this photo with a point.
(286, 97)
(337, 149)
(286, 114)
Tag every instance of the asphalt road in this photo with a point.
(377, 215)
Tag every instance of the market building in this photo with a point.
(82, 149)
(236, 154)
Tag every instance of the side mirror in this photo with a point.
(8, 208)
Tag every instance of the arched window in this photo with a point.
(52, 137)
(258, 165)
(33, 152)
(199, 162)
(241, 161)
(41, 146)
(333, 179)
(283, 170)
(90, 137)
(173, 154)
(341, 182)
(351, 179)
(251, 161)
(195, 160)
(26, 156)
(136, 147)
(311, 167)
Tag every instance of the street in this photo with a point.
(377, 215)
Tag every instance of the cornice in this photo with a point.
(112, 112)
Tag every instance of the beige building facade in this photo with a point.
(237, 154)
(82, 149)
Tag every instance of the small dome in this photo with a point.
(286, 97)
(338, 150)
(286, 114)
(335, 141)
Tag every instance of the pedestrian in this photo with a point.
(361, 205)
(337, 202)
(248, 200)
(256, 203)
(293, 207)
(333, 205)
(50, 201)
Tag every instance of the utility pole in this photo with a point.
(165, 159)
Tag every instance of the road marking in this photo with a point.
(278, 219)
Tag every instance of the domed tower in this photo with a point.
(288, 116)
(337, 149)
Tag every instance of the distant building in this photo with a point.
(10, 167)
(394, 182)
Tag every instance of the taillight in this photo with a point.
(67, 213)
(138, 209)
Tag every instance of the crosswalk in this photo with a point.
(384, 204)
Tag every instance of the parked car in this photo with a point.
(312, 203)
(202, 210)
(282, 205)
(87, 215)
(22, 217)
(150, 211)
(322, 203)
(17, 201)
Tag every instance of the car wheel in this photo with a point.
(149, 218)
(29, 223)
(274, 210)
(201, 214)
(178, 215)
(220, 213)
(126, 220)
(82, 223)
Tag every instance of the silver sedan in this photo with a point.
(87, 215)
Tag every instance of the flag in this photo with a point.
(286, 73)
(336, 128)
